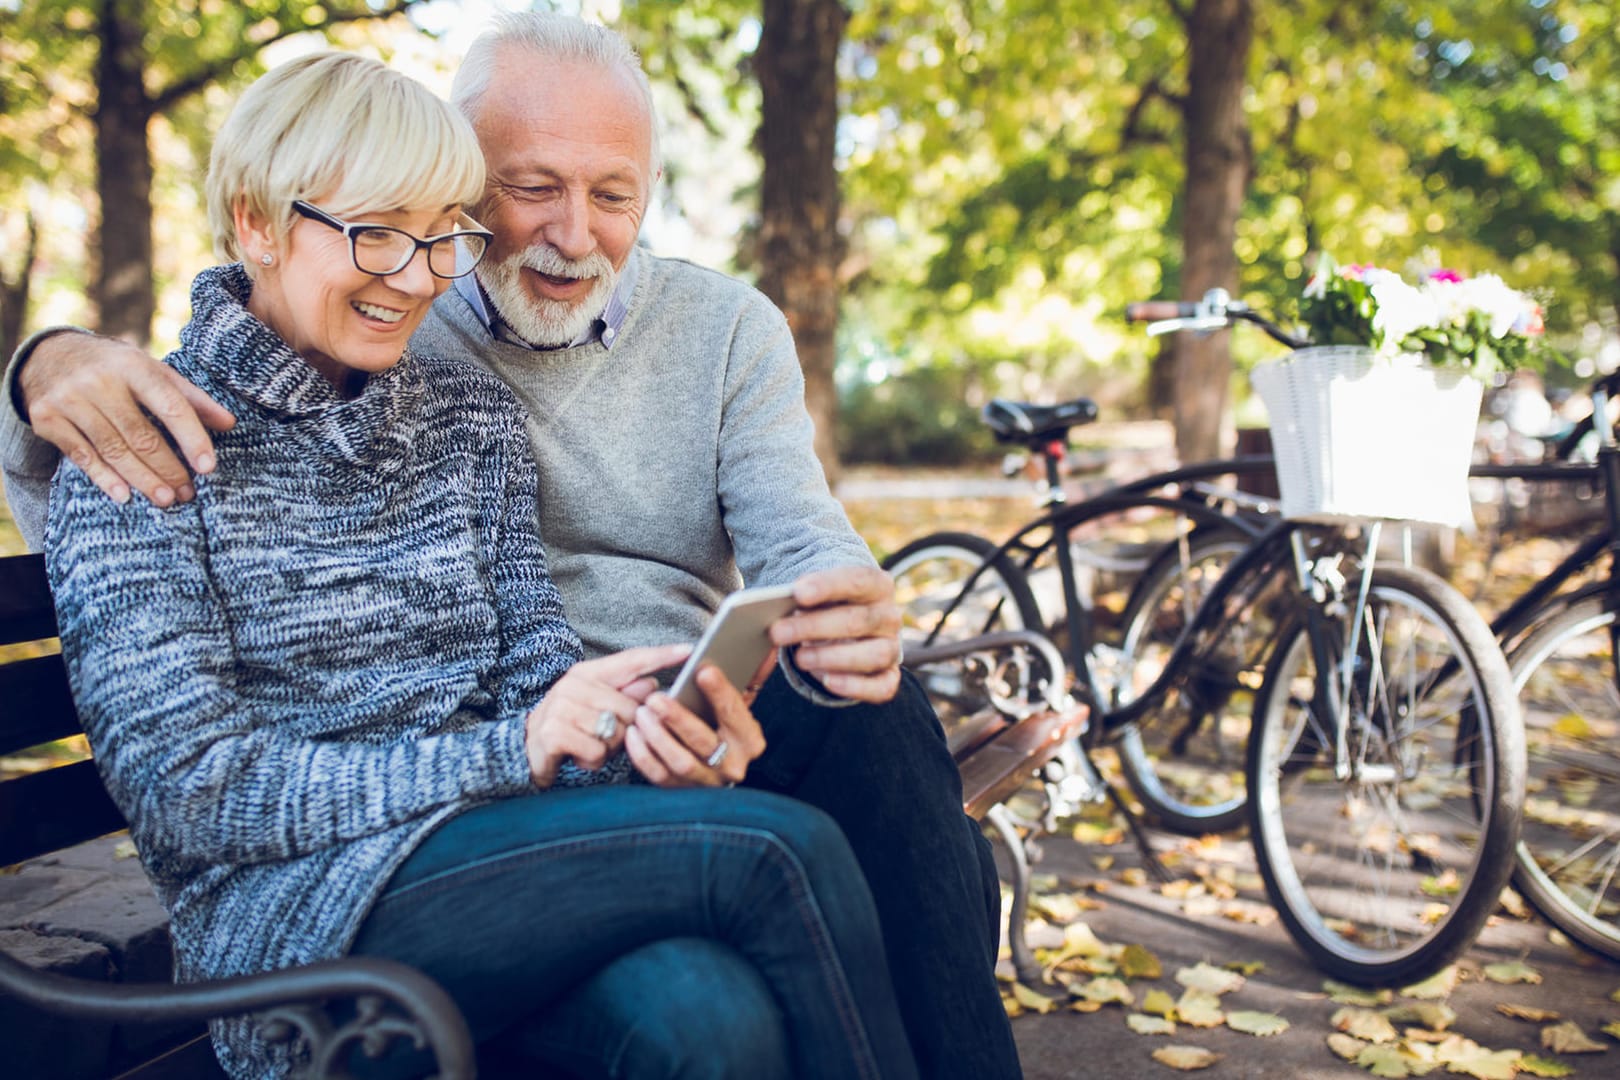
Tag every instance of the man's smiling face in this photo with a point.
(569, 151)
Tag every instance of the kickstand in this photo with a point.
(1139, 834)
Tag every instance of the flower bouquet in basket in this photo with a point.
(1377, 418)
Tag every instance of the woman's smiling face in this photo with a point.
(340, 319)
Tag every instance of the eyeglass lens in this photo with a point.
(385, 251)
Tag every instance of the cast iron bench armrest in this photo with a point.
(290, 1002)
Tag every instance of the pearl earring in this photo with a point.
(267, 259)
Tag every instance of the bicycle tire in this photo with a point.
(929, 575)
(1357, 868)
(1567, 861)
(1185, 762)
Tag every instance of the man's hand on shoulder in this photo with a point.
(846, 632)
(84, 394)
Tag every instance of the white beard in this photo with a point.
(542, 322)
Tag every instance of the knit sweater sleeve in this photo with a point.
(203, 777)
(537, 644)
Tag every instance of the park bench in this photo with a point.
(72, 1013)
(83, 1022)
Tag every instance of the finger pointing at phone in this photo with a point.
(585, 714)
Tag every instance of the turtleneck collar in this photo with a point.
(245, 359)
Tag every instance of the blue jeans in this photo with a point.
(886, 776)
(628, 931)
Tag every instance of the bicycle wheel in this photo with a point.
(1185, 761)
(929, 578)
(1568, 858)
(1386, 875)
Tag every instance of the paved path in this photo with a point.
(1062, 1045)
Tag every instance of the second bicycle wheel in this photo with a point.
(1185, 761)
(1385, 868)
(938, 607)
(1568, 862)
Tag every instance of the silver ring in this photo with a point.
(607, 724)
(719, 754)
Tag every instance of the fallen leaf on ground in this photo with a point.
(1058, 908)
(1185, 1058)
(1106, 990)
(1611, 1029)
(1159, 1002)
(1514, 904)
(1434, 1015)
(1344, 994)
(1200, 905)
(1247, 911)
(1256, 1023)
(1467, 1057)
(1527, 1012)
(1137, 963)
(1385, 1061)
(1178, 889)
(1098, 832)
(1132, 875)
(1082, 1005)
(1143, 1024)
(1514, 972)
(1245, 967)
(1200, 1008)
(1032, 1000)
(1346, 1046)
(1568, 1038)
(125, 849)
(1438, 985)
(1364, 1024)
(1206, 976)
(1540, 1066)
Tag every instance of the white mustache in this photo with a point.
(545, 259)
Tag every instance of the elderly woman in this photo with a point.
(336, 696)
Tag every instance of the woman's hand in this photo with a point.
(673, 747)
(585, 713)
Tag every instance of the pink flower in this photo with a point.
(1443, 275)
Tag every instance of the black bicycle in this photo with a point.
(1384, 755)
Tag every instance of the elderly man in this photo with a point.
(667, 414)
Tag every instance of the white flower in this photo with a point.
(1491, 295)
(1401, 310)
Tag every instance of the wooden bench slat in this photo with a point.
(1001, 766)
(36, 705)
(50, 810)
(26, 611)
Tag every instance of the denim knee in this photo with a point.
(737, 1034)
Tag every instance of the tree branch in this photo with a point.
(221, 66)
(1133, 131)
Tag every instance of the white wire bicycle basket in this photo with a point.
(1359, 437)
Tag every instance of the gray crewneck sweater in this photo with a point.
(291, 680)
(675, 464)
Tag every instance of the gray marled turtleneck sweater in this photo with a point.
(291, 680)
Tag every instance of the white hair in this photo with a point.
(559, 38)
(342, 130)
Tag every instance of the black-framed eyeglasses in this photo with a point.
(383, 250)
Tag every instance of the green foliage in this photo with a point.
(920, 416)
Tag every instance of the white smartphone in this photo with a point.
(737, 642)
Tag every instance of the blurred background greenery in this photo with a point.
(1009, 173)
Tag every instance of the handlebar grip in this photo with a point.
(1154, 310)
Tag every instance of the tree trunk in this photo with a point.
(14, 292)
(800, 245)
(1220, 33)
(123, 291)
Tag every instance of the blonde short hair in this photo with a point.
(346, 132)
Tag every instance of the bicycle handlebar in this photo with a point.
(1216, 311)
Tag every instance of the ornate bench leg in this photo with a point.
(1023, 959)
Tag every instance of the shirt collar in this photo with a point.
(604, 329)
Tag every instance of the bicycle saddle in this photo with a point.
(1031, 424)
